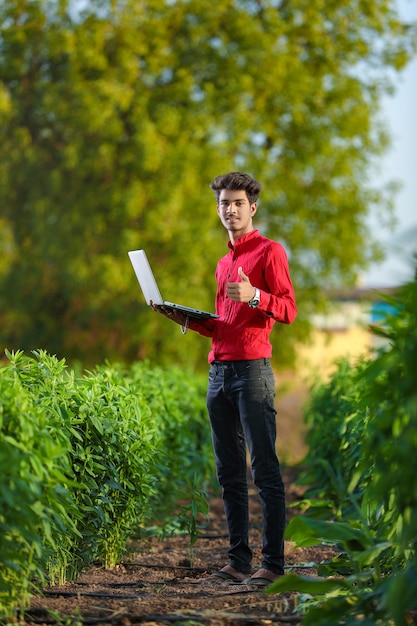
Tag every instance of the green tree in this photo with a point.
(115, 116)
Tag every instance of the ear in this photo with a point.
(253, 208)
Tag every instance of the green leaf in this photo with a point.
(97, 423)
(305, 531)
(305, 584)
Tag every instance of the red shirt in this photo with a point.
(240, 332)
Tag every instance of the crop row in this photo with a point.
(362, 487)
(86, 460)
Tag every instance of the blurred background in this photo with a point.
(115, 117)
(399, 163)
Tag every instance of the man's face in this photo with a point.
(236, 212)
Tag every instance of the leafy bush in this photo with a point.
(34, 503)
(87, 460)
(178, 407)
(336, 427)
(363, 442)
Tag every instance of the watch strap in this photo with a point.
(254, 302)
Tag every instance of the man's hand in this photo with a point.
(176, 316)
(242, 291)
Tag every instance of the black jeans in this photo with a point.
(240, 402)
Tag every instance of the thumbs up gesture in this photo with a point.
(242, 291)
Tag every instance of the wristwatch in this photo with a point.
(256, 299)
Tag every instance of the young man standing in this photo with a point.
(254, 291)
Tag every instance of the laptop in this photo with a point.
(151, 291)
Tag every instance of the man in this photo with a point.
(254, 291)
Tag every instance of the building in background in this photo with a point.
(345, 330)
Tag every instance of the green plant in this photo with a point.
(336, 428)
(35, 501)
(82, 460)
(176, 400)
(372, 411)
(191, 513)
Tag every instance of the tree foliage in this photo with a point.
(115, 116)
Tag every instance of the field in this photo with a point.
(128, 447)
(155, 584)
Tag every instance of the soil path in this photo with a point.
(155, 584)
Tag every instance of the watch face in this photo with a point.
(255, 300)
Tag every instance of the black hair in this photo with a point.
(237, 180)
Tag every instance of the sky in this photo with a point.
(400, 113)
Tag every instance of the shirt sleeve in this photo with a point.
(277, 297)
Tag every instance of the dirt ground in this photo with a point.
(156, 585)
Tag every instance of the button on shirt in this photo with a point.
(240, 332)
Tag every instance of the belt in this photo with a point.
(228, 363)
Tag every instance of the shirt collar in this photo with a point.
(243, 239)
